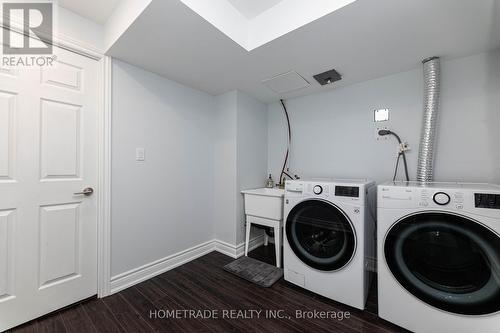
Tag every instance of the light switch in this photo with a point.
(140, 154)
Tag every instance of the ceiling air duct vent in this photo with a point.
(328, 77)
(286, 82)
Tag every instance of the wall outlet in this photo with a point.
(380, 137)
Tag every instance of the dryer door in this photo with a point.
(320, 235)
(448, 261)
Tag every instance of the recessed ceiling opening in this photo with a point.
(253, 23)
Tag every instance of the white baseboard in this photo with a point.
(239, 250)
(148, 271)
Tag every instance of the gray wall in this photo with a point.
(201, 151)
(334, 132)
(240, 160)
(225, 167)
(160, 206)
(251, 153)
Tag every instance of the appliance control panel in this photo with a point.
(462, 198)
(429, 198)
(324, 190)
(452, 199)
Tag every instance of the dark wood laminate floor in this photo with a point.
(202, 284)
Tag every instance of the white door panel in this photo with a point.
(67, 76)
(59, 257)
(7, 220)
(48, 152)
(7, 135)
(60, 140)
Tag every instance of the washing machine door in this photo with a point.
(320, 235)
(449, 261)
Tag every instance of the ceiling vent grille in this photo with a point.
(328, 77)
(287, 82)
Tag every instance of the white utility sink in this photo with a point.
(264, 206)
(265, 203)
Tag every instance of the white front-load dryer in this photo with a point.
(439, 256)
(329, 234)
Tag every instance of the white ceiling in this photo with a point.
(364, 40)
(96, 10)
(252, 8)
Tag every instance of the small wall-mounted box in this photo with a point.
(140, 154)
(381, 115)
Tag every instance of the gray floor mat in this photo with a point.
(255, 271)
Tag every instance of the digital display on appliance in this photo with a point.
(485, 200)
(347, 191)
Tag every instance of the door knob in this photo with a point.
(86, 191)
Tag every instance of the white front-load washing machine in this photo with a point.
(439, 256)
(329, 234)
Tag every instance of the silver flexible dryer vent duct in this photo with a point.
(432, 75)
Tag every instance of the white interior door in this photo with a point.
(48, 152)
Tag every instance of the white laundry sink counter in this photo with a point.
(264, 207)
(265, 203)
(269, 192)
